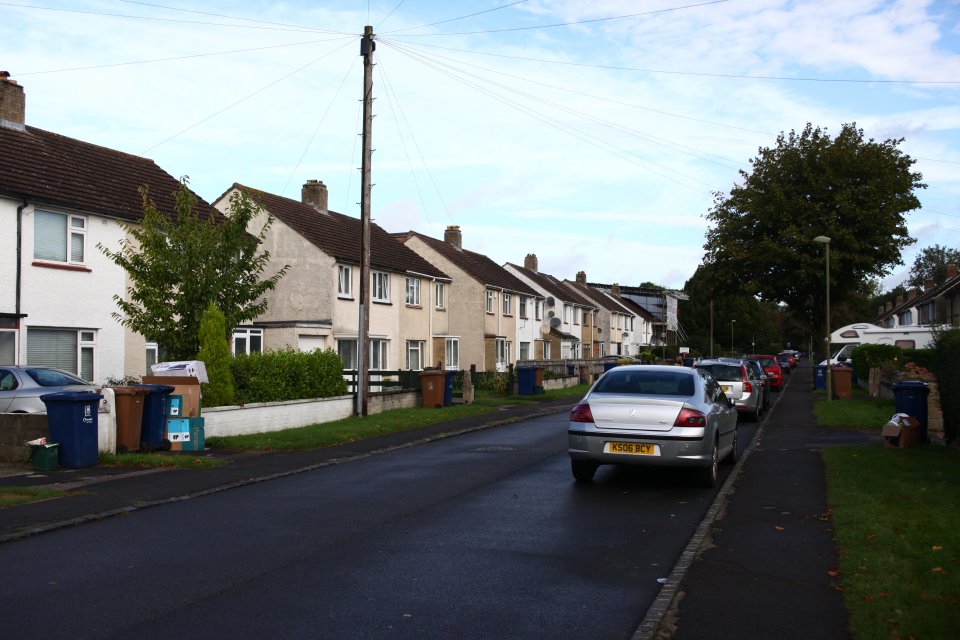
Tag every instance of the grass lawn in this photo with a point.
(352, 429)
(11, 496)
(896, 514)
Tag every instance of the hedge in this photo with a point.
(277, 376)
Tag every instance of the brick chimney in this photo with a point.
(928, 284)
(880, 310)
(314, 194)
(951, 271)
(581, 277)
(13, 103)
(911, 294)
(615, 289)
(899, 300)
(530, 262)
(889, 306)
(453, 236)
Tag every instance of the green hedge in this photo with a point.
(276, 376)
(945, 364)
(869, 356)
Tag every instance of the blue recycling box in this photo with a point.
(73, 420)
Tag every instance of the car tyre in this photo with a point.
(583, 470)
(734, 454)
(708, 475)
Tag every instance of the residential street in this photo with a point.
(478, 536)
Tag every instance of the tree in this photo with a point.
(931, 264)
(179, 264)
(215, 354)
(852, 190)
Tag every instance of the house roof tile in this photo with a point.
(51, 169)
(338, 235)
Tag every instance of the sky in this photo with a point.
(592, 134)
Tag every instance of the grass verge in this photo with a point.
(11, 496)
(859, 413)
(896, 514)
(355, 428)
(178, 460)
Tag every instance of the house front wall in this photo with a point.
(529, 330)
(69, 297)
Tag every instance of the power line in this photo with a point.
(220, 15)
(472, 15)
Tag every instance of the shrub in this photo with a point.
(215, 355)
(945, 364)
(276, 376)
(869, 356)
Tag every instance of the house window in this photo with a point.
(538, 309)
(489, 301)
(525, 351)
(576, 316)
(503, 352)
(153, 356)
(546, 350)
(246, 341)
(440, 295)
(523, 306)
(566, 313)
(59, 237)
(451, 359)
(381, 286)
(347, 350)
(507, 304)
(415, 355)
(67, 349)
(345, 282)
(413, 291)
(378, 355)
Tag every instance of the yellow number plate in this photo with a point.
(633, 448)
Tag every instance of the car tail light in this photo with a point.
(689, 418)
(747, 387)
(581, 413)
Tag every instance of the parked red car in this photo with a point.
(792, 359)
(772, 368)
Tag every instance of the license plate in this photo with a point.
(633, 448)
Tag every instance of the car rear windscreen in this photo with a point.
(722, 371)
(659, 383)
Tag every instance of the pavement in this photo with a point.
(762, 563)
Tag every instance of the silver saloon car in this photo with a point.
(653, 415)
(21, 387)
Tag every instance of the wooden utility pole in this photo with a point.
(367, 47)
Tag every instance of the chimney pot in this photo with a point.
(13, 103)
(530, 262)
(453, 236)
(314, 194)
(928, 284)
(615, 289)
(581, 277)
(951, 270)
(899, 300)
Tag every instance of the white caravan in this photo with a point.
(852, 335)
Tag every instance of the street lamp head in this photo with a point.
(822, 239)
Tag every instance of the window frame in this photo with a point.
(70, 232)
(380, 286)
(345, 281)
(379, 349)
(414, 347)
(413, 291)
(348, 347)
(490, 300)
(440, 296)
(246, 335)
(506, 303)
(451, 345)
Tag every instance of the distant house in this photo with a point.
(612, 321)
(316, 304)
(487, 299)
(934, 304)
(59, 199)
(567, 312)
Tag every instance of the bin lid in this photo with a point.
(71, 396)
(158, 388)
(910, 383)
(130, 391)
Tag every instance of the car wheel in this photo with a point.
(583, 470)
(708, 475)
(734, 454)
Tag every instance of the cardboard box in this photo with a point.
(174, 406)
(186, 386)
(901, 432)
(195, 440)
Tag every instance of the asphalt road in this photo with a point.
(482, 535)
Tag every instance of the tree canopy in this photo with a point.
(931, 264)
(179, 265)
(850, 189)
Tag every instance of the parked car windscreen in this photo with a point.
(722, 371)
(54, 378)
(639, 382)
(768, 362)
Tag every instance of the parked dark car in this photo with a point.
(653, 415)
(21, 387)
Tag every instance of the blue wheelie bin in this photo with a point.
(73, 420)
(448, 377)
(526, 379)
(910, 397)
(153, 427)
(820, 377)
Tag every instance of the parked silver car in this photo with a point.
(739, 382)
(21, 387)
(653, 415)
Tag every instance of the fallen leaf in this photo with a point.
(937, 547)
(832, 573)
(937, 570)
(778, 528)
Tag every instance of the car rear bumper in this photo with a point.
(674, 452)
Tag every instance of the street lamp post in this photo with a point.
(732, 352)
(824, 240)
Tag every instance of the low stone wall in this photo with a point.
(18, 428)
(560, 383)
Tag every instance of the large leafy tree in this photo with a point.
(931, 264)
(179, 264)
(851, 189)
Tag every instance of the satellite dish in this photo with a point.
(550, 314)
(551, 301)
(626, 334)
(544, 329)
(555, 323)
